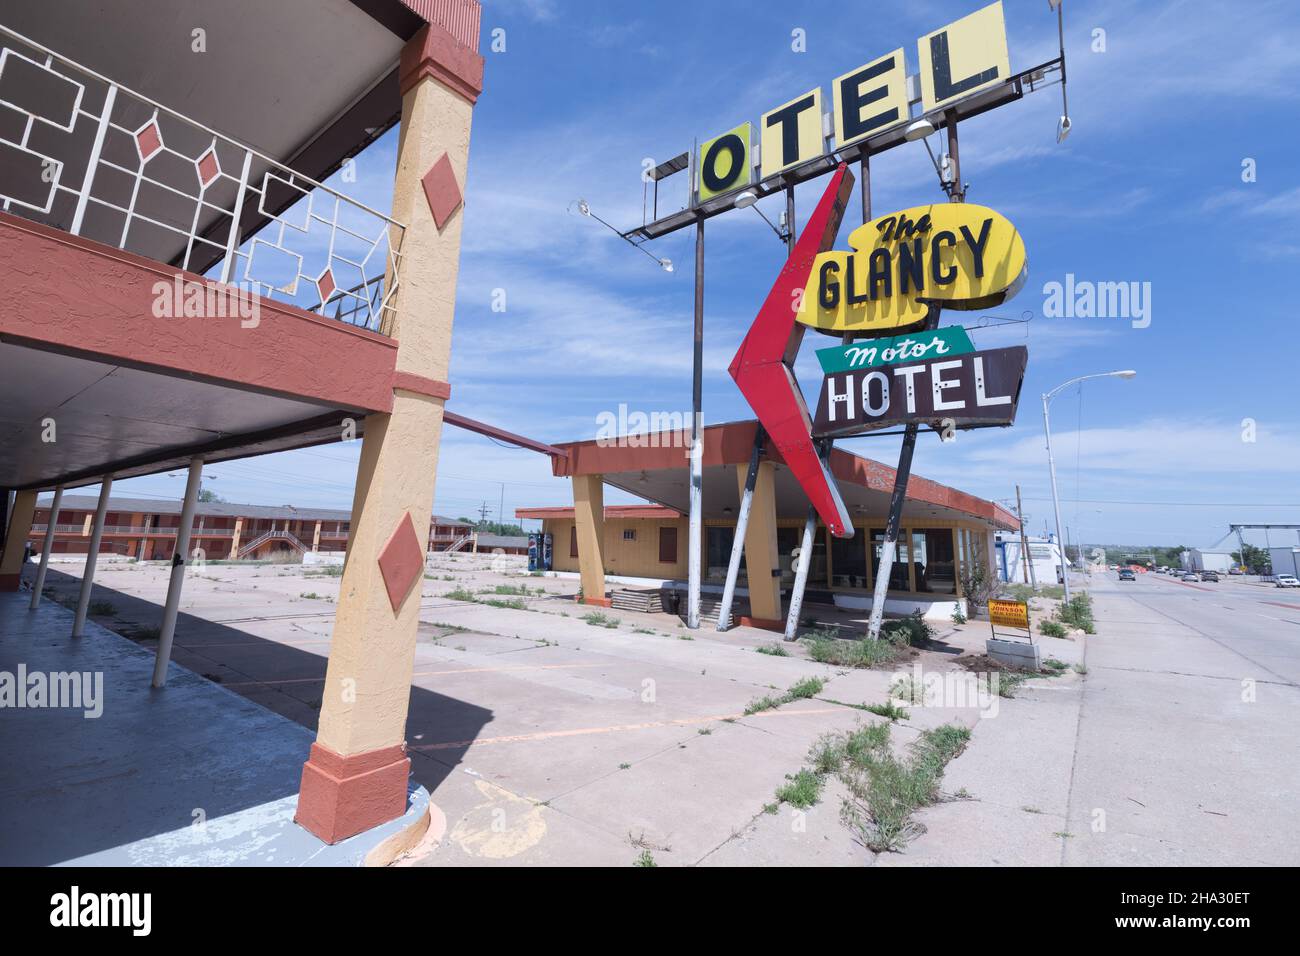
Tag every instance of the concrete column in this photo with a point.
(92, 557)
(315, 539)
(234, 541)
(356, 776)
(180, 553)
(16, 532)
(47, 547)
(589, 520)
(761, 558)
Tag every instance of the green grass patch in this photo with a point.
(888, 710)
(1052, 628)
(851, 653)
(597, 619)
(885, 790)
(774, 650)
(801, 790)
(1077, 612)
(645, 859)
(801, 690)
(102, 608)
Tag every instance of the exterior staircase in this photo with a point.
(647, 601)
(292, 539)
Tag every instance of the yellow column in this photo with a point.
(760, 547)
(589, 518)
(20, 526)
(315, 539)
(356, 776)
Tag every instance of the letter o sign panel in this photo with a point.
(724, 163)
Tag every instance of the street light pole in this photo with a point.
(1051, 462)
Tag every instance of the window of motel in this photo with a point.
(719, 541)
(936, 569)
(899, 580)
(787, 542)
(848, 562)
(668, 545)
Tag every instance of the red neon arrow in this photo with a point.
(763, 366)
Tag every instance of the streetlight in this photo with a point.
(585, 209)
(1051, 462)
(746, 200)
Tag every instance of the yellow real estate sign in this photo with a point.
(1009, 614)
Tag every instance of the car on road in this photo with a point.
(1210, 576)
(1234, 570)
(1287, 581)
(1188, 576)
(1126, 574)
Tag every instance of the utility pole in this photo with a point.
(483, 510)
(1025, 557)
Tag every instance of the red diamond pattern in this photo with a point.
(209, 168)
(442, 191)
(401, 562)
(148, 139)
(326, 285)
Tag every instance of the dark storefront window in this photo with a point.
(898, 579)
(848, 562)
(936, 569)
(719, 542)
(787, 541)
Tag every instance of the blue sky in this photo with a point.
(1148, 188)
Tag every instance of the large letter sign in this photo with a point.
(963, 57)
(724, 163)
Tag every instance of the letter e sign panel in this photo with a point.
(963, 57)
(870, 99)
(791, 134)
(724, 162)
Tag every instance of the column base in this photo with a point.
(597, 601)
(766, 624)
(10, 582)
(343, 796)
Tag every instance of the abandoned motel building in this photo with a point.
(123, 164)
(146, 529)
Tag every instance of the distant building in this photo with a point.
(1044, 566)
(1285, 560)
(145, 529)
(1203, 559)
(500, 543)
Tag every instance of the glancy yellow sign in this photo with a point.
(960, 255)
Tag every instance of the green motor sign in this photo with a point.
(872, 353)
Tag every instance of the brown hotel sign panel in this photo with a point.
(978, 388)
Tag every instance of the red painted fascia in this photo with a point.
(73, 295)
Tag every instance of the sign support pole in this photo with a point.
(889, 547)
(693, 550)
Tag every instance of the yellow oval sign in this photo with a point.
(958, 255)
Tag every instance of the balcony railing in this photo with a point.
(94, 158)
